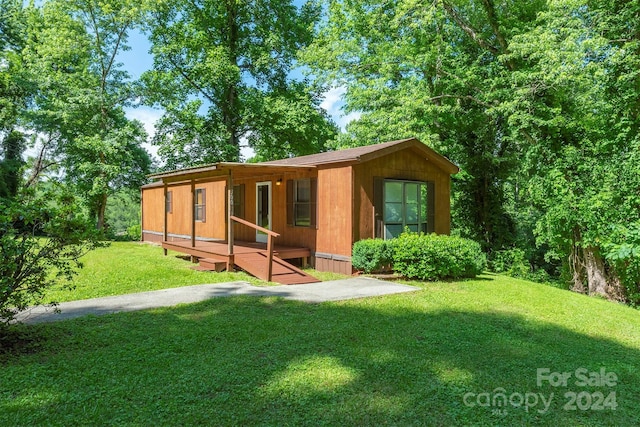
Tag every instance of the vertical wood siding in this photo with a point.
(335, 196)
(153, 208)
(405, 165)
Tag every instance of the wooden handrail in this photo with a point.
(270, 235)
(254, 226)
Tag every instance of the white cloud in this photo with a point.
(148, 117)
(333, 104)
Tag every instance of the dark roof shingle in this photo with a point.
(348, 154)
(368, 152)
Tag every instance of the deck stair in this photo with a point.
(212, 264)
(264, 263)
(282, 272)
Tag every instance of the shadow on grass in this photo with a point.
(266, 361)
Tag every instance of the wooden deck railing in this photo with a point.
(270, 235)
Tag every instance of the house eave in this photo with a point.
(221, 169)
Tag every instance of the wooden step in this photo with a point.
(212, 264)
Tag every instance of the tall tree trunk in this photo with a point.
(102, 207)
(576, 266)
(595, 271)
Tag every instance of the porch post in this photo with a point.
(193, 213)
(230, 262)
(164, 228)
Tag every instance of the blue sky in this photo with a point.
(138, 60)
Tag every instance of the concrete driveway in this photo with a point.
(357, 287)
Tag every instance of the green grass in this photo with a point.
(127, 267)
(405, 359)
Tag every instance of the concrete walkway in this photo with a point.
(357, 287)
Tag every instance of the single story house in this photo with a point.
(311, 207)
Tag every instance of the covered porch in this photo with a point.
(264, 259)
(252, 257)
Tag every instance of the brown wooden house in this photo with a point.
(312, 208)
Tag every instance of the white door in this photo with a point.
(263, 209)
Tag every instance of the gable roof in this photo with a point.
(326, 159)
(365, 153)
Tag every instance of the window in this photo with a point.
(301, 202)
(200, 203)
(238, 200)
(168, 202)
(403, 204)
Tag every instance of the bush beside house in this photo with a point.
(373, 255)
(420, 256)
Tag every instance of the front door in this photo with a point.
(263, 209)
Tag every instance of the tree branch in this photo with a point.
(469, 97)
(467, 28)
(114, 53)
(40, 165)
(185, 75)
(489, 7)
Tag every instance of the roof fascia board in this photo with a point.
(219, 169)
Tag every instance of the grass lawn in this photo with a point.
(439, 356)
(127, 267)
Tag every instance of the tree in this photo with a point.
(15, 91)
(220, 69)
(578, 99)
(42, 236)
(80, 102)
(537, 101)
(434, 70)
(42, 232)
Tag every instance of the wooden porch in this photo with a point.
(265, 261)
(250, 256)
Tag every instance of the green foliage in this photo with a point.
(514, 263)
(222, 73)
(11, 166)
(574, 98)
(134, 232)
(435, 72)
(373, 255)
(537, 101)
(41, 238)
(80, 98)
(509, 261)
(624, 255)
(435, 257)
(420, 256)
(123, 211)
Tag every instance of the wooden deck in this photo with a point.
(249, 256)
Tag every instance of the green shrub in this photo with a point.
(624, 256)
(42, 237)
(434, 257)
(511, 262)
(373, 255)
(134, 232)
